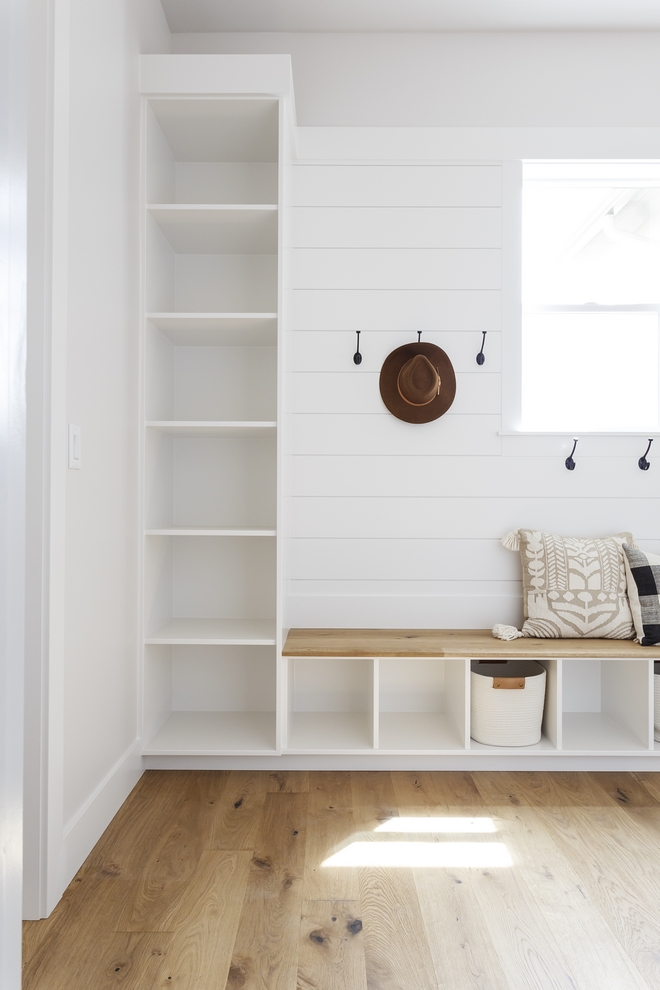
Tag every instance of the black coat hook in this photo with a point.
(357, 357)
(643, 463)
(481, 357)
(569, 462)
(419, 336)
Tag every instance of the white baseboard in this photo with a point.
(89, 823)
(472, 762)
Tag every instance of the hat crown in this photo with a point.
(418, 382)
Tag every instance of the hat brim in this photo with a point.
(389, 392)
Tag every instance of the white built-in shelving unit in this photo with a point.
(210, 482)
(398, 706)
(217, 685)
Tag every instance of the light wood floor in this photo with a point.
(213, 881)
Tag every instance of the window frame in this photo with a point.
(512, 310)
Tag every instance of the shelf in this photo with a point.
(329, 732)
(204, 229)
(417, 732)
(175, 428)
(593, 732)
(215, 632)
(217, 329)
(197, 209)
(194, 531)
(209, 733)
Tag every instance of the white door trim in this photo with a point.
(13, 275)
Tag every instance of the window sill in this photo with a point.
(580, 433)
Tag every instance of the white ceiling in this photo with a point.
(410, 15)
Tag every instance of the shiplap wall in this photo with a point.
(399, 525)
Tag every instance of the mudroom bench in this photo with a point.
(404, 692)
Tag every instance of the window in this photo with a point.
(591, 296)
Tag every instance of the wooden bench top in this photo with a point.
(457, 643)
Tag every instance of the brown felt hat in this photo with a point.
(417, 382)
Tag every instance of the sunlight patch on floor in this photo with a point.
(437, 825)
(426, 854)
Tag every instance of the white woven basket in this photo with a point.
(506, 707)
(656, 700)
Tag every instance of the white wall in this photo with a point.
(521, 79)
(395, 524)
(102, 381)
(100, 685)
(84, 359)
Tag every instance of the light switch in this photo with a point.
(74, 447)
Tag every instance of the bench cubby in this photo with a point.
(550, 741)
(606, 705)
(331, 705)
(421, 705)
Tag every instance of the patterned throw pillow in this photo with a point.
(574, 588)
(643, 573)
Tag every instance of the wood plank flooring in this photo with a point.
(214, 880)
